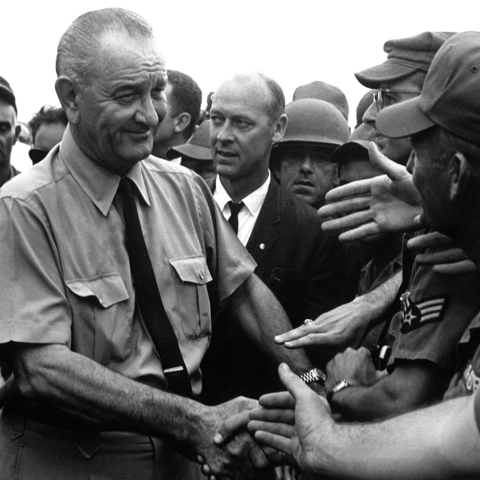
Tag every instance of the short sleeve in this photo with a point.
(34, 305)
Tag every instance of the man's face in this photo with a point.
(9, 132)
(241, 131)
(430, 176)
(307, 172)
(166, 129)
(120, 110)
(397, 149)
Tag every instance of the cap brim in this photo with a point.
(358, 148)
(403, 119)
(189, 150)
(386, 72)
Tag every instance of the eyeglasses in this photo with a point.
(383, 99)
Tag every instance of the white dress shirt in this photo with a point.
(249, 213)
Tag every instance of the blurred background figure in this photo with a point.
(184, 100)
(9, 130)
(196, 154)
(323, 91)
(301, 160)
(47, 127)
(362, 131)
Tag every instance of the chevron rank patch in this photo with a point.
(425, 311)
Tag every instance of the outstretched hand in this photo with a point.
(443, 254)
(385, 204)
(332, 331)
(293, 423)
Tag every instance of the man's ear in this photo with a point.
(280, 127)
(68, 95)
(461, 176)
(181, 122)
(18, 130)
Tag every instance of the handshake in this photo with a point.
(253, 436)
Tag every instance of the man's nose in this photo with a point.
(307, 164)
(150, 113)
(370, 116)
(224, 132)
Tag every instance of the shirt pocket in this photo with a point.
(101, 325)
(191, 278)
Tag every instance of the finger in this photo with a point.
(428, 240)
(452, 255)
(274, 415)
(276, 400)
(258, 458)
(364, 231)
(393, 170)
(346, 206)
(352, 220)
(272, 427)
(299, 332)
(279, 473)
(294, 384)
(458, 268)
(360, 187)
(317, 340)
(232, 425)
(276, 442)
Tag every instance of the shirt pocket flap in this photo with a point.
(108, 289)
(192, 269)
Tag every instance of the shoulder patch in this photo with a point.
(425, 311)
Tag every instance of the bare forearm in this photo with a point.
(376, 303)
(434, 443)
(262, 318)
(75, 385)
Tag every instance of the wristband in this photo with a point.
(336, 388)
(314, 375)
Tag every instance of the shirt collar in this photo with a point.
(99, 183)
(253, 201)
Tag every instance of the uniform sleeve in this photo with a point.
(476, 408)
(436, 312)
(34, 305)
(229, 261)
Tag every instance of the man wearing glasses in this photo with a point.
(398, 79)
(419, 346)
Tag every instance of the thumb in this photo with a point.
(293, 383)
(393, 170)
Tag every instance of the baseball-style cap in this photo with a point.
(197, 147)
(450, 96)
(6, 93)
(405, 56)
(326, 92)
(357, 149)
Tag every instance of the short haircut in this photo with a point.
(187, 97)
(445, 144)
(47, 115)
(78, 45)
(276, 102)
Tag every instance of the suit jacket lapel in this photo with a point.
(264, 232)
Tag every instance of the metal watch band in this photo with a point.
(337, 387)
(314, 375)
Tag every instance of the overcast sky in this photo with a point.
(294, 42)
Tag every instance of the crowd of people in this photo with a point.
(253, 290)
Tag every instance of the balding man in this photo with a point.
(104, 322)
(302, 267)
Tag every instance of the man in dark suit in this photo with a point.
(303, 267)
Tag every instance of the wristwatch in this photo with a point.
(314, 375)
(337, 387)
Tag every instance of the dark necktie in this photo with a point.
(149, 299)
(235, 209)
